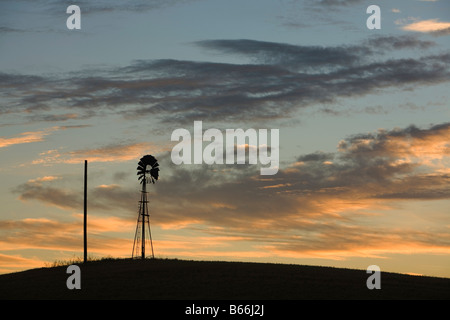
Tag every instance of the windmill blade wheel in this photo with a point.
(153, 168)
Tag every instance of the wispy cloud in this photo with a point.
(60, 235)
(13, 262)
(53, 191)
(282, 75)
(123, 6)
(32, 136)
(321, 197)
(433, 26)
(115, 152)
(318, 206)
(334, 3)
(25, 137)
(105, 6)
(10, 30)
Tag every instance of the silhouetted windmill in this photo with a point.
(148, 170)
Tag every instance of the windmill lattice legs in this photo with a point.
(143, 233)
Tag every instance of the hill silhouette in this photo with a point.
(172, 279)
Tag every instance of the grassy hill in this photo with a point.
(205, 280)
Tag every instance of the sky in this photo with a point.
(363, 118)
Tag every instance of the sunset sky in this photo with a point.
(364, 120)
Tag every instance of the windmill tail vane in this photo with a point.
(148, 171)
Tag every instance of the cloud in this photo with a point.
(35, 190)
(287, 55)
(433, 26)
(383, 44)
(114, 152)
(329, 205)
(315, 196)
(11, 263)
(411, 160)
(105, 6)
(63, 236)
(214, 91)
(10, 30)
(54, 117)
(34, 136)
(40, 233)
(53, 191)
(334, 3)
(278, 80)
(25, 137)
(310, 58)
(441, 32)
(43, 179)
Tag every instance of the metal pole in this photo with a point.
(85, 211)
(150, 234)
(144, 200)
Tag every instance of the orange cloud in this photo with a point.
(25, 137)
(32, 136)
(276, 186)
(43, 179)
(11, 263)
(109, 224)
(64, 237)
(363, 249)
(331, 206)
(431, 25)
(109, 153)
(177, 225)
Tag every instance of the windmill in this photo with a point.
(148, 171)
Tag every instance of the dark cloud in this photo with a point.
(318, 202)
(443, 32)
(334, 3)
(317, 156)
(310, 58)
(10, 30)
(17, 80)
(53, 117)
(58, 197)
(280, 79)
(101, 198)
(384, 165)
(294, 57)
(104, 6)
(386, 43)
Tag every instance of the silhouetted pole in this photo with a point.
(144, 201)
(85, 211)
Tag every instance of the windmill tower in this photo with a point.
(148, 170)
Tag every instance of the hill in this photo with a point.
(163, 279)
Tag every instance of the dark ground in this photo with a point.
(159, 279)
